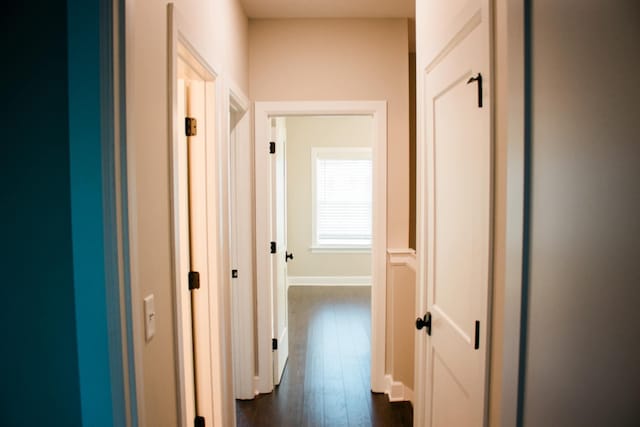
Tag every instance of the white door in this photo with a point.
(456, 119)
(240, 216)
(279, 233)
(183, 251)
(200, 314)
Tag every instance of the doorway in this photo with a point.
(190, 245)
(322, 170)
(266, 227)
(313, 236)
(192, 100)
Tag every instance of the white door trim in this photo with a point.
(421, 225)
(377, 110)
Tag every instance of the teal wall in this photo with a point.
(40, 380)
(60, 357)
(91, 175)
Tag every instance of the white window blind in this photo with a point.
(343, 198)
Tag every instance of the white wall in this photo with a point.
(303, 133)
(218, 29)
(582, 332)
(573, 270)
(342, 59)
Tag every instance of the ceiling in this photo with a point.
(329, 8)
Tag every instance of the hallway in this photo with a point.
(326, 381)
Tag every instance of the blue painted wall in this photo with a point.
(90, 146)
(60, 346)
(39, 382)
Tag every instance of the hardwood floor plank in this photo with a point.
(313, 401)
(335, 410)
(327, 378)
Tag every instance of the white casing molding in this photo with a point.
(263, 112)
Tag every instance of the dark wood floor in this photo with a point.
(326, 380)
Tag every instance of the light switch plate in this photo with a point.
(149, 317)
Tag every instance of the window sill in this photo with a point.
(340, 249)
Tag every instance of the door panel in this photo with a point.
(446, 23)
(198, 252)
(280, 323)
(458, 164)
(446, 390)
(183, 253)
(242, 294)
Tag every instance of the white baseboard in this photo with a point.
(329, 280)
(397, 391)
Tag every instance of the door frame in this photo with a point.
(180, 45)
(263, 111)
(241, 242)
(280, 352)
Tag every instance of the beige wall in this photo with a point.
(342, 59)
(401, 294)
(303, 133)
(218, 29)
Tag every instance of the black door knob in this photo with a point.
(424, 322)
(287, 256)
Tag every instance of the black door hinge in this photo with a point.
(194, 280)
(234, 274)
(272, 147)
(477, 340)
(199, 421)
(478, 79)
(190, 126)
(272, 248)
(274, 344)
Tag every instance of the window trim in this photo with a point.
(317, 247)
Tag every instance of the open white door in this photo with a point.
(200, 308)
(240, 199)
(182, 248)
(456, 114)
(279, 258)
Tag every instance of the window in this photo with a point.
(341, 197)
